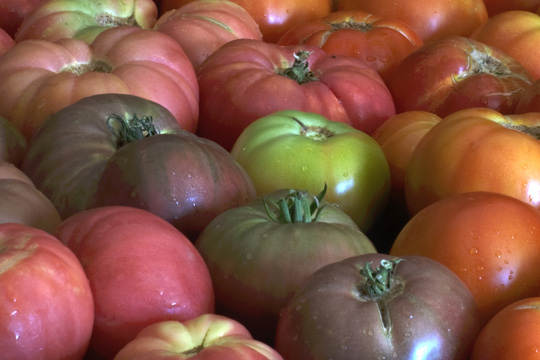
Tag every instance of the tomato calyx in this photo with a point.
(131, 129)
(299, 71)
(314, 132)
(352, 25)
(94, 66)
(109, 20)
(295, 207)
(533, 131)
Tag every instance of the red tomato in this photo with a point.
(476, 150)
(489, 240)
(39, 77)
(513, 333)
(82, 19)
(13, 12)
(246, 79)
(206, 337)
(274, 17)
(517, 33)
(456, 73)
(210, 24)
(495, 7)
(432, 20)
(381, 43)
(141, 270)
(46, 305)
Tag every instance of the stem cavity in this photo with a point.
(299, 71)
(295, 207)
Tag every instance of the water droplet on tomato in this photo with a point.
(473, 251)
(498, 253)
(304, 168)
(480, 268)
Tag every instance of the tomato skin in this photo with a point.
(511, 334)
(278, 153)
(431, 20)
(381, 43)
(47, 306)
(274, 17)
(242, 82)
(6, 41)
(13, 12)
(40, 77)
(516, 33)
(495, 7)
(242, 244)
(470, 151)
(456, 73)
(12, 143)
(141, 270)
(489, 240)
(210, 24)
(56, 19)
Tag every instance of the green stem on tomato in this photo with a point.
(132, 129)
(299, 71)
(296, 208)
(379, 281)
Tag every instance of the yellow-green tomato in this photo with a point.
(302, 150)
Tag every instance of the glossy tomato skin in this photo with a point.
(46, 307)
(381, 43)
(475, 150)
(209, 337)
(193, 181)
(299, 150)
(274, 17)
(40, 77)
(141, 270)
(489, 240)
(244, 245)
(456, 73)
(428, 314)
(511, 334)
(210, 24)
(67, 157)
(432, 20)
(247, 79)
(55, 19)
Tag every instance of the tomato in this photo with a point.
(381, 307)
(456, 73)
(431, 20)
(23, 203)
(247, 79)
(39, 77)
(141, 270)
(516, 33)
(489, 240)
(274, 17)
(299, 150)
(287, 231)
(12, 143)
(46, 305)
(476, 150)
(529, 100)
(209, 337)
(511, 334)
(495, 7)
(13, 12)
(381, 43)
(6, 41)
(210, 24)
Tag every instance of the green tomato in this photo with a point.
(301, 150)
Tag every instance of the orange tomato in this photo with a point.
(489, 240)
(432, 20)
(517, 33)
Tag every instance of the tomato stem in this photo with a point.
(378, 282)
(299, 71)
(295, 207)
(132, 129)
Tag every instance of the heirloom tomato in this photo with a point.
(210, 24)
(513, 333)
(456, 73)
(274, 17)
(432, 20)
(82, 19)
(260, 253)
(299, 150)
(247, 79)
(517, 33)
(141, 270)
(39, 77)
(476, 149)
(206, 337)
(489, 240)
(375, 306)
(381, 43)
(46, 304)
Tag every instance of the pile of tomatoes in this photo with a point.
(281, 180)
